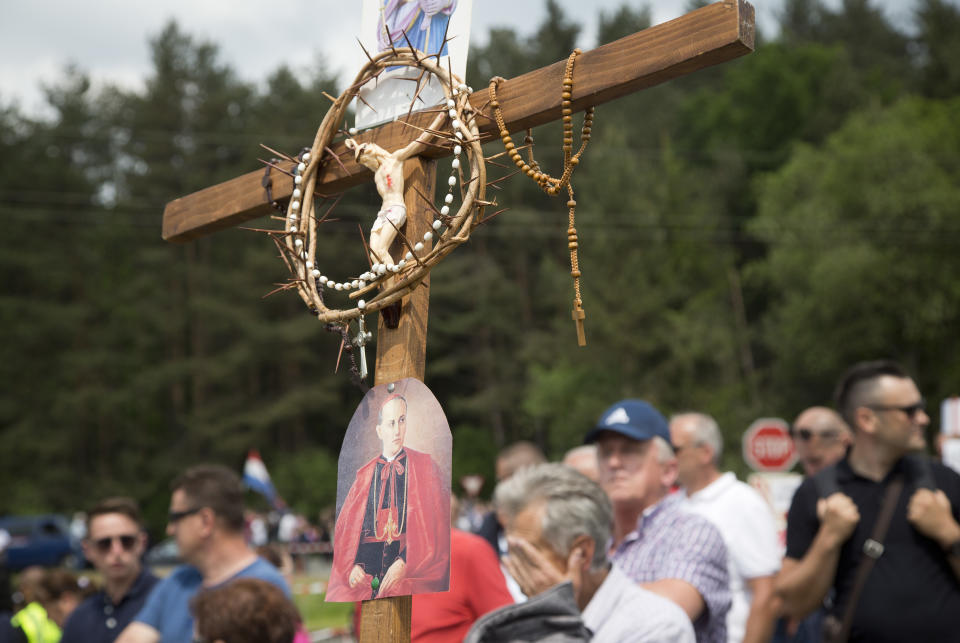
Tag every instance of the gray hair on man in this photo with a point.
(574, 506)
(704, 430)
(665, 452)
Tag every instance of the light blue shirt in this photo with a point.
(168, 607)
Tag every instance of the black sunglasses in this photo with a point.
(910, 410)
(127, 541)
(177, 516)
(806, 435)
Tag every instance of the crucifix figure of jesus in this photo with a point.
(388, 176)
(705, 37)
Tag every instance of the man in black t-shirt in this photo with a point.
(913, 591)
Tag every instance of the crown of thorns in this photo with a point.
(453, 128)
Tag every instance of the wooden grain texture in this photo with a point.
(386, 620)
(401, 353)
(703, 38)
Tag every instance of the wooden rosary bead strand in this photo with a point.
(551, 185)
(532, 167)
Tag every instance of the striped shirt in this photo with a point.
(671, 543)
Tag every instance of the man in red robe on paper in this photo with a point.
(392, 536)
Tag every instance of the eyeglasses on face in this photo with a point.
(677, 448)
(127, 541)
(176, 516)
(806, 435)
(910, 410)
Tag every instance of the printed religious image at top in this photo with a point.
(392, 533)
(424, 22)
(436, 27)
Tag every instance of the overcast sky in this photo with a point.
(108, 39)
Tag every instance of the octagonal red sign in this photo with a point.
(767, 445)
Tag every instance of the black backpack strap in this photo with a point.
(920, 471)
(825, 481)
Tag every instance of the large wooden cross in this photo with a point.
(702, 38)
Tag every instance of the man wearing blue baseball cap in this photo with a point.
(655, 541)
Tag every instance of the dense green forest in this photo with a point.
(746, 233)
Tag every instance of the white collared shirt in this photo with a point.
(749, 531)
(623, 612)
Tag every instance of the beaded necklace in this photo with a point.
(552, 185)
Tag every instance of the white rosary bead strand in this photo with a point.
(458, 121)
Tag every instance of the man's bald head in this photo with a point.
(583, 459)
(517, 456)
(821, 437)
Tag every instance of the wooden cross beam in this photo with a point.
(708, 36)
(702, 38)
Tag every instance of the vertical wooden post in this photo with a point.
(401, 352)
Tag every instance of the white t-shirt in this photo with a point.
(623, 612)
(749, 531)
(287, 529)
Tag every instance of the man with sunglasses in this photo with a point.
(114, 544)
(821, 438)
(912, 591)
(206, 519)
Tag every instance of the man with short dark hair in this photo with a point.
(114, 544)
(912, 593)
(821, 438)
(206, 519)
(656, 542)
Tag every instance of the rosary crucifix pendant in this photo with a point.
(360, 341)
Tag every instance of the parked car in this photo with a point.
(41, 540)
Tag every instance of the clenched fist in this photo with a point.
(838, 517)
(929, 512)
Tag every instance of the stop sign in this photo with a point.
(767, 445)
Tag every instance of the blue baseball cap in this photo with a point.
(635, 419)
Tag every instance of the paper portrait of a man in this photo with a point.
(392, 534)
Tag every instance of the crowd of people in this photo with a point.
(637, 535)
(224, 592)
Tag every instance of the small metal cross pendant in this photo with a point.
(360, 341)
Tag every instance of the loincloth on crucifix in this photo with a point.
(395, 215)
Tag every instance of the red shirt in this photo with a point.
(476, 587)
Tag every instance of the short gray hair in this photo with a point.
(665, 452)
(574, 506)
(705, 430)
